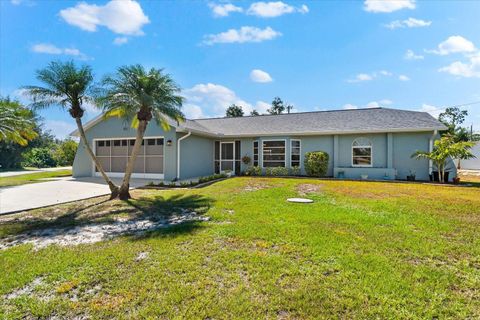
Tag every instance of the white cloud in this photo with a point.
(223, 10)
(120, 16)
(372, 104)
(410, 55)
(242, 35)
(262, 106)
(28, 3)
(61, 129)
(454, 44)
(192, 111)
(274, 9)
(120, 40)
(403, 77)
(258, 75)
(385, 6)
(408, 23)
(461, 69)
(349, 106)
(433, 110)
(361, 77)
(213, 99)
(48, 48)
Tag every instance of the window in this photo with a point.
(295, 146)
(273, 153)
(361, 153)
(255, 153)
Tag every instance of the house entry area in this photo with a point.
(227, 156)
(113, 155)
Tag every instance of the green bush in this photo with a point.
(276, 171)
(295, 170)
(65, 152)
(253, 171)
(39, 158)
(316, 163)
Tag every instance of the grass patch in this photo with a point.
(32, 177)
(361, 250)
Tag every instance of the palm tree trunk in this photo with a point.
(124, 193)
(111, 185)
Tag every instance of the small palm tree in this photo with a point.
(17, 124)
(139, 96)
(67, 86)
(443, 149)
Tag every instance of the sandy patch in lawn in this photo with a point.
(256, 185)
(306, 188)
(92, 233)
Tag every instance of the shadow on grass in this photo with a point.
(106, 219)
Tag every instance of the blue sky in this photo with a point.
(322, 55)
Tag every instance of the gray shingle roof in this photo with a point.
(321, 122)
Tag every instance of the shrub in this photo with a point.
(253, 171)
(184, 184)
(39, 157)
(172, 184)
(161, 184)
(316, 163)
(65, 152)
(276, 171)
(295, 171)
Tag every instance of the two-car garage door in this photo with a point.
(114, 154)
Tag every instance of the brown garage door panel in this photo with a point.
(154, 165)
(119, 164)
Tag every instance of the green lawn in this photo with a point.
(32, 177)
(361, 250)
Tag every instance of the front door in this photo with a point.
(227, 156)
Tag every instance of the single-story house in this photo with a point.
(377, 142)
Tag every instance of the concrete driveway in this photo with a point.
(55, 191)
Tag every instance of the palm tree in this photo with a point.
(443, 149)
(68, 86)
(17, 124)
(139, 96)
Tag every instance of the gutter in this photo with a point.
(178, 152)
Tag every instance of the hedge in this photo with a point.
(316, 163)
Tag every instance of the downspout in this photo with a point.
(178, 152)
(430, 149)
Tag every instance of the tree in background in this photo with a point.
(138, 95)
(234, 111)
(17, 123)
(453, 118)
(277, 106)
(254, 113)
(65, 152)
(68, 86)
(445, 148)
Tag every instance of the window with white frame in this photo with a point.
(273, 153)
(295, 146)
(255, 153)
(362, 152)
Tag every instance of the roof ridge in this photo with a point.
(293, 113)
